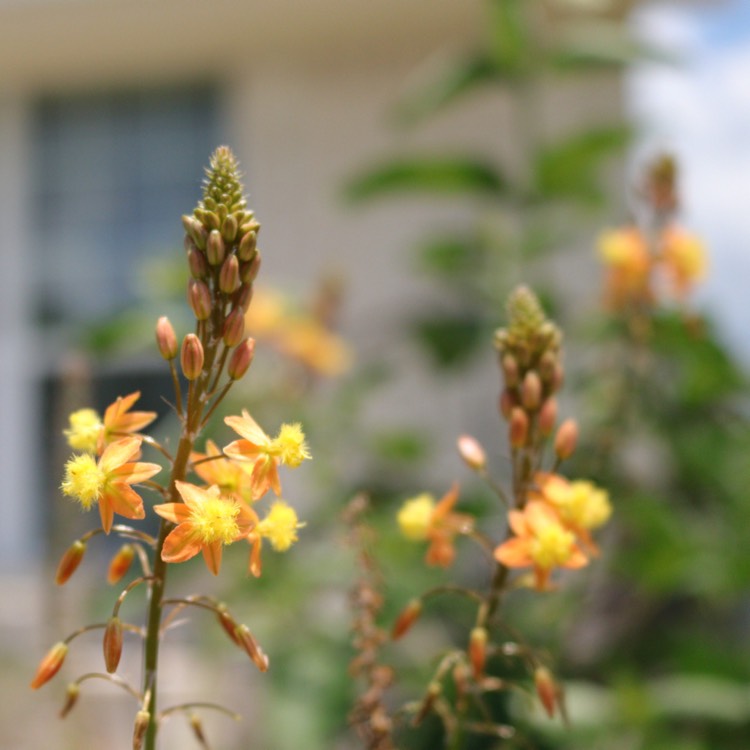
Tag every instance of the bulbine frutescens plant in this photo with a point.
(550, 520)
(208, 499)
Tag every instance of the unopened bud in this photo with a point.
(249, 271)
(50, 664)
(198, 264)
(518, 431)
(547, 417)
(433, 693)
(531, 391)
(241, 359)
(566, 439)
(547, 689)
(478, 651)
(471, 452)
(409, 615)
(558, 378)
(191, 356)
(243, 296)
(228, 624)
(112, 644)
(229, 229)
(166, 339)
(507, 402)
(547, 365)
(71, 698)
(509, 366)
(120, 563)
(229, 276)
(253, 650)
(199, 299)
(250, 226)
(196, 231)
(248, 243)
(215, 249)
(142, 720)
(70, 561)
(234, 327)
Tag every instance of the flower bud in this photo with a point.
(547, 689)
(196, 231)
(234, 327)
(120, 563)
(211, 220)
(229, 276)
(112, 644)
(507, 402)
(227, 622)
(566, 439)
(478, 651)
(71, 698)
(433, 693)
(249, 271)
(531, 391)
(199, 299)
(248, 243)
(198, 264)
(229, 229)
(547, 417)
(409, 615)
(215, 250)
(50, 664)
(518, 432)
(254, 651)
(241, 359)
(509, 366)
(142, 720)
(558, 377)
(70, 561)
(250, 226)
(191, 356)
(243, 297)
(471, 452)
(166, 339)
(547, 365)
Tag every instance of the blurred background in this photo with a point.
(410, 163)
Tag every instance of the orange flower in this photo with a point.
(206, 521)
(231, 477)
(288, 447)
(119, 420)
(627, 259)
(684, 259)
(422, 518)
(107, 482)
(541, 541)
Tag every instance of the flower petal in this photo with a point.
(181, 544)
(124, 500)
(243, 449)
(514, 553)
(136, 471)
(173, 512)
(194, 495)
(246, 427)
(118, 453)
(212, 556)
(106, 513)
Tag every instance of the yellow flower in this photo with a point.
(684, 258)
(540, 541)
(206, 521)
(107, 481)
(288, 448)
(628, 267)
(279, 527)
(84, 430)
(423, 517)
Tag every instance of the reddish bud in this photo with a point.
(215, 249)
(433, 693)
(234, 327)
(248, 243)
(547, 417)
(196, 231)
(70, 561)
(566, 439)
(531, 391)
(112, 644)
(241, 359)
(142, 720)
(120, 563)
(191, 356)
(197, 264)
(471, 452)
(229, 276)
(409, 615)
(199, 299)
(518, 432)
(249, 271)
(229, 229)
(253, 650)
(547, 689)
(243, 297)
(71, 698)
(166, 339)
(227, 622)
(509, 365)
(478, 651)
(507, 402)
(50, 664)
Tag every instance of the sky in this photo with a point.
(699, 109)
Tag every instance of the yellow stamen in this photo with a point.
(552, 546)
(415, 516)
(280, 526)
(84, 480)
(215, 520)
(85, 426)
(290, 445)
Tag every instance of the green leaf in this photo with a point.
(511, 41)
(449, 83)
(401, 446)
(450, 340)
(449, 256)
(429, 175)
(568, 169)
